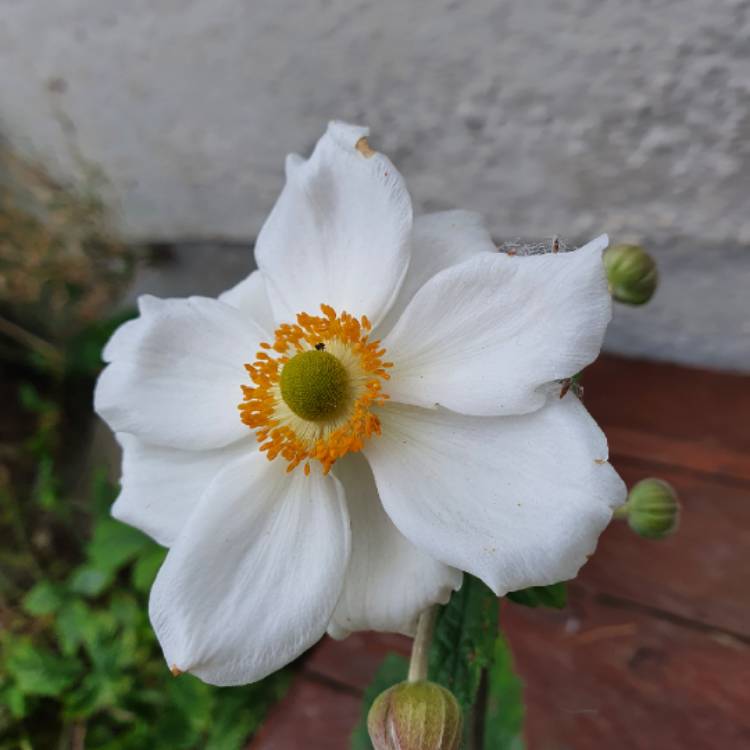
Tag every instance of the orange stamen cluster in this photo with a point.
(282, 433)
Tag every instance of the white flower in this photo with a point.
(371, 505)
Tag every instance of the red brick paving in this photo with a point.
(653, 650)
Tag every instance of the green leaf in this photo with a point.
(172, 730)
(70, 625)
(33, 401)
(554, 596)
(107, 652)
(392, 671)
(98, 690)
(193, 699)
(43, 599)
(40, 672)
(231, 729)
(90, 581)
(46, 489)
(125, 610)
(503, 719)
(103, 492)
(463, 642)
(114, 544)
(15, 700)
(240, 711)
(146, 568)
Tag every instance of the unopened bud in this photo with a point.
(631, 273)
(415, 716)
(652, 509)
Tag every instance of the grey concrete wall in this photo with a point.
(569, 117)
(690, 320)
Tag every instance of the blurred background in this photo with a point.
(141, 147)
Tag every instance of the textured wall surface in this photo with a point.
(569, 117)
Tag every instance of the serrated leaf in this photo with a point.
(40, 672)
(44, 598)
(98, 690)
(231, 731)
(103, 642)
(503, 724)
(107, 653)
(114, 544)
(240, 711)
(463, 642)
(90, 581)
(393, 670)
(125, 610)
(554, 596)
(70, 625)
(193, 699)
(172, 731)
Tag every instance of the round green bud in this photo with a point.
(653, 509)
(415, 716)
(631, 273)
(314, 385)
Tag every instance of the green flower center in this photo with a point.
(314, 385)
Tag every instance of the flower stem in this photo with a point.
(420, 648)
(621, 513)
(30, 340)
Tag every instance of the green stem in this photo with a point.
(420, 648)
(621, 513)
(30, 340)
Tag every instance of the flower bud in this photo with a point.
(631, 273)
(415, 716)
(653, 509)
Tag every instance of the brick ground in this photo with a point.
(653, 650)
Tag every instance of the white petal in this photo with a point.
(439, 241)
(175, 373)
(160, 487)
(339, 233)
(255, 574)
(389, 581)
(251, 299)
(517, 501)
(484, 336)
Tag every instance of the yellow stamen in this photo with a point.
(328, 435)
(314, 384)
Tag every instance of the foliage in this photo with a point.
(79, 663)
(463, 641)
(503, 718)
(472, 658)
(554, 596)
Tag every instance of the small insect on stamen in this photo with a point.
(320, 346)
